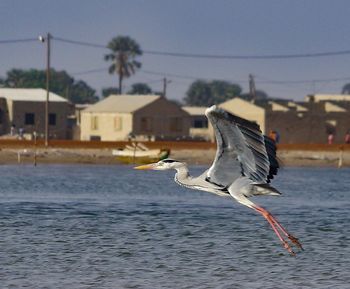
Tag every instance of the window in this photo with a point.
(52, 118)
(200, 123)
(95, 137)
(146, 123)
(29, 119)
(94, 122)
(176, 124)
(118, 123)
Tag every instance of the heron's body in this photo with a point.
(244, 165)
(184, 179)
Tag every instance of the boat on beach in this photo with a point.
(138, 153)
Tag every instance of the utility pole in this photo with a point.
(252, 90)
(165, 82)
(47, 39)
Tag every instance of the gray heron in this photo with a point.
(244, 164)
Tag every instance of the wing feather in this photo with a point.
(241, 150)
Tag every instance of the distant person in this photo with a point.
(20, 132)
(330, 138)
(273, 135)
(347, 137)
(13, 130)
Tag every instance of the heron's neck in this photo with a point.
(182, 175)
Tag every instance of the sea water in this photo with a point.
(74, 226)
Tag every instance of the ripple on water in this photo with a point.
(88, 226)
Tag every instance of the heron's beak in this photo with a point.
(146, 167)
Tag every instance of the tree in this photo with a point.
(124, 51)
(15, 78)
(60, 82)
(199, 94)
(81, 92)
(140, 88)
(346, 89)
(223, 90)
(203, 93)
(109, 90)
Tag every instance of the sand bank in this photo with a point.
(191, 156)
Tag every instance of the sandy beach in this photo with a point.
(191, 156)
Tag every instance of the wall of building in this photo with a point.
(163, 120)
(341, 123)
(246, 110)
(4, 117)
(291, 127)
(312, 126)
(199, 129)
(105, 126)
(18, 110)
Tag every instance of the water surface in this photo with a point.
(72, 226)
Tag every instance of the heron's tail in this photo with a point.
(264, 190)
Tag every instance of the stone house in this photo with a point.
(139, 117)
(199, 129)
(296, 122)
(24, 109)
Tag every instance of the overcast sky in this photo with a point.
(217, 27)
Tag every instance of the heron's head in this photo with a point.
(162, 165)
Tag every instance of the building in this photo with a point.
(296, 122)
(335, 113)
(247, 110)
(141, 117)
(199, 123)
(74, 120)
(327, 97)
(24, 110)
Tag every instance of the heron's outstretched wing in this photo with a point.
(240, 151)
(270, 146)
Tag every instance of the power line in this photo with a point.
(81, 43)
(97, 70)
(259, 79)
(269, 81)
(193, 55)
(181, 76)
(264, 80)
(104, 69)
(250, 57)
(217, 56)
(13, 41)
(168, 74)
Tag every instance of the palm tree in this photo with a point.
(124, 51)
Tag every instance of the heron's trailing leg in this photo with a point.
(293, 239)
(284, 242)
(275, 226)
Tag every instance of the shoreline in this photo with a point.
(191, 156)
